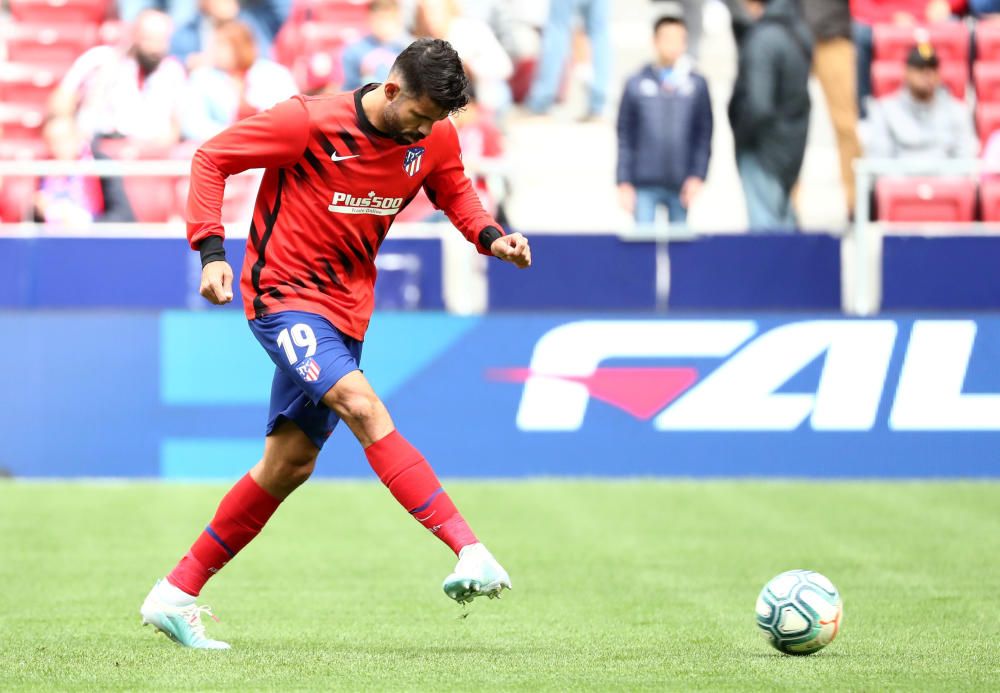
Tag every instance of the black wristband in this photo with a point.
(211, 250)
(488, 235)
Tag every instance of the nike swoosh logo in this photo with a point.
(334, 157)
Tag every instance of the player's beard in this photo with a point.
(390, 122)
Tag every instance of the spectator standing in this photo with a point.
(922, 120)
(76, 199)
(866, 14)
(239, 84)
(485, 60)
(555, 53)
(664, 130)
(834, 64)
(769, 109)
(131, 92)
(192, 42)
(693, 12)
(369, 58)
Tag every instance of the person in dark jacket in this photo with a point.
(834, 64)
(769, 109)
(664, 130)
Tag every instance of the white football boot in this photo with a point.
(477, 575)
(178, 621)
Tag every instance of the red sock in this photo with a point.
(413, 483)
(242, 513)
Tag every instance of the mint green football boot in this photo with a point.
(182, 624)
(477, 575)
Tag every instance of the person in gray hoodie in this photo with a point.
(769, 109)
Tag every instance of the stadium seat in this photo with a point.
(129, 149)
(15, 197)
(26, 85)
(320, 37)
(151, 197)
(20, 122)
(48, 43)
(987, 120)
(950, 40)
(60, 11)
(887, 77)
(988, 40)
(986, 76)
(925, 199)
(21, 149)
(344, 13)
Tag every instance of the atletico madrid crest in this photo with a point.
(308, 370)
(411, 164)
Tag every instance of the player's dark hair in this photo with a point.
(667, 19)
(431, 67)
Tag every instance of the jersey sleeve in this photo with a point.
(449, 189)
(272, 139)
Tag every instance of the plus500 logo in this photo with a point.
(742, 394)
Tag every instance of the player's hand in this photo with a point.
(514, 249)
(626, 197)
(217, 282)
(690, 190)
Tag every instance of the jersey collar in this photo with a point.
(363, 121)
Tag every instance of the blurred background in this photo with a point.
(764, 235)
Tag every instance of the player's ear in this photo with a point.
(392, 90)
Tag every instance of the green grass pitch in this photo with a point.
(617, 585)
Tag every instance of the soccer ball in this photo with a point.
(799, 612)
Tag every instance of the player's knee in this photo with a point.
(358, 408)
(297, 474)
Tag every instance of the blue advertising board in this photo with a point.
(181, 394)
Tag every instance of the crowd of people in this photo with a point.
(664, 108)
(190, 68)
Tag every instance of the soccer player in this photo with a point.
(338, 170)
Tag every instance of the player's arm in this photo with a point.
(274, 138)
(449, 189)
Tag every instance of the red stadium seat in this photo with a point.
(925, 199)
(318, 37)
(27, 85)
(986, 76)
(988, 40)
(151, 197)
(345, 13)
(887, 77)
(129, 149)
(950, 40)
(22, 149)
(987, 120)
(48, 43)
(989, 196)
(61, 11)
(20, 122)
(15, 198)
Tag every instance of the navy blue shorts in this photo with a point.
(311, 355)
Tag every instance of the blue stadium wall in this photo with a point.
(183, 395)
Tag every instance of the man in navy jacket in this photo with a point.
(664, 130)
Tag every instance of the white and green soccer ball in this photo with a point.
(799, 612)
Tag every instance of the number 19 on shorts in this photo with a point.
(300, 335)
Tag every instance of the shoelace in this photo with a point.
(192, 614)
